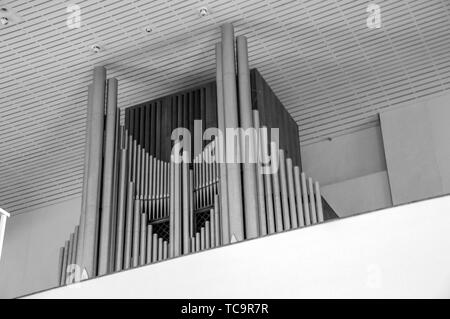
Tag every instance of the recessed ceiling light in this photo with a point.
(203, 11)
(148, 29)
(96, 48)
(4, 20)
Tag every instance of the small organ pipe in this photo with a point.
(160, 249)
(143, 239)
(212, 218)
(136, 231)
(129, 227)
(121, 209)
(172, 209)
(320, 218)
(197, 241)
(298, 197)
(60, 265)
(155, 248)
(291, 193)
(185, 199)
(177, 211)
(165, 249)
(312, 202)
(202, 238)
(75, 244)
(216, 213)
(305, 200)
(260, 178)
(207, 235)
(192, 244)
(268, 187)
(65, 263)
(69, 257)
(276, 189)
(284, 192)
(149, 244)
(191, 203)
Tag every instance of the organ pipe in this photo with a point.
(260, 177)
(234, 183)
(246, 120)
(104, 253)
(80, 249)
(94, 172)
(284, 191)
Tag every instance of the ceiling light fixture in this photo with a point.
(148, 29)
(203, 11)
(96, 48)
(4, 20)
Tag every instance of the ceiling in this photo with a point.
(330, 70)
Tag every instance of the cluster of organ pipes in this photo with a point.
(141, 206)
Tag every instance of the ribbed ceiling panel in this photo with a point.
(332, 73)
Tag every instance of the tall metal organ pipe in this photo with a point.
(246, 120)
(93, 187)
(104, 253)
(234, 186)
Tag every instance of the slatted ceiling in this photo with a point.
(327, 68)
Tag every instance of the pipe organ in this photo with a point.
(143, 202)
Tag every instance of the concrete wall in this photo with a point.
(345, 157)
(359, 195)
(351, 170)
(30, 253)
(417, 146)
(398, 252)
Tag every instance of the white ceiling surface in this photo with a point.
(330, 70)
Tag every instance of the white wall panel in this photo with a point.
(417, 149)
